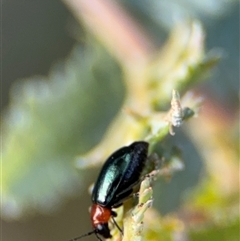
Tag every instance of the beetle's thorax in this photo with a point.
(100, 214)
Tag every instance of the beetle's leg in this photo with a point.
(98, 237)
(115, 223)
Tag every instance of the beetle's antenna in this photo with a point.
(84, 235)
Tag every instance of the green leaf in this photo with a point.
(50, 121)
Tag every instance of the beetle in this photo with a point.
(119, 176)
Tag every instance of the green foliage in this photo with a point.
(49, 122)
(224, 232)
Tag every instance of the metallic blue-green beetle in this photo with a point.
(119, 175)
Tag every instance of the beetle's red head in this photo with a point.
(100, 217)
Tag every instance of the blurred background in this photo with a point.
(63, 83)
